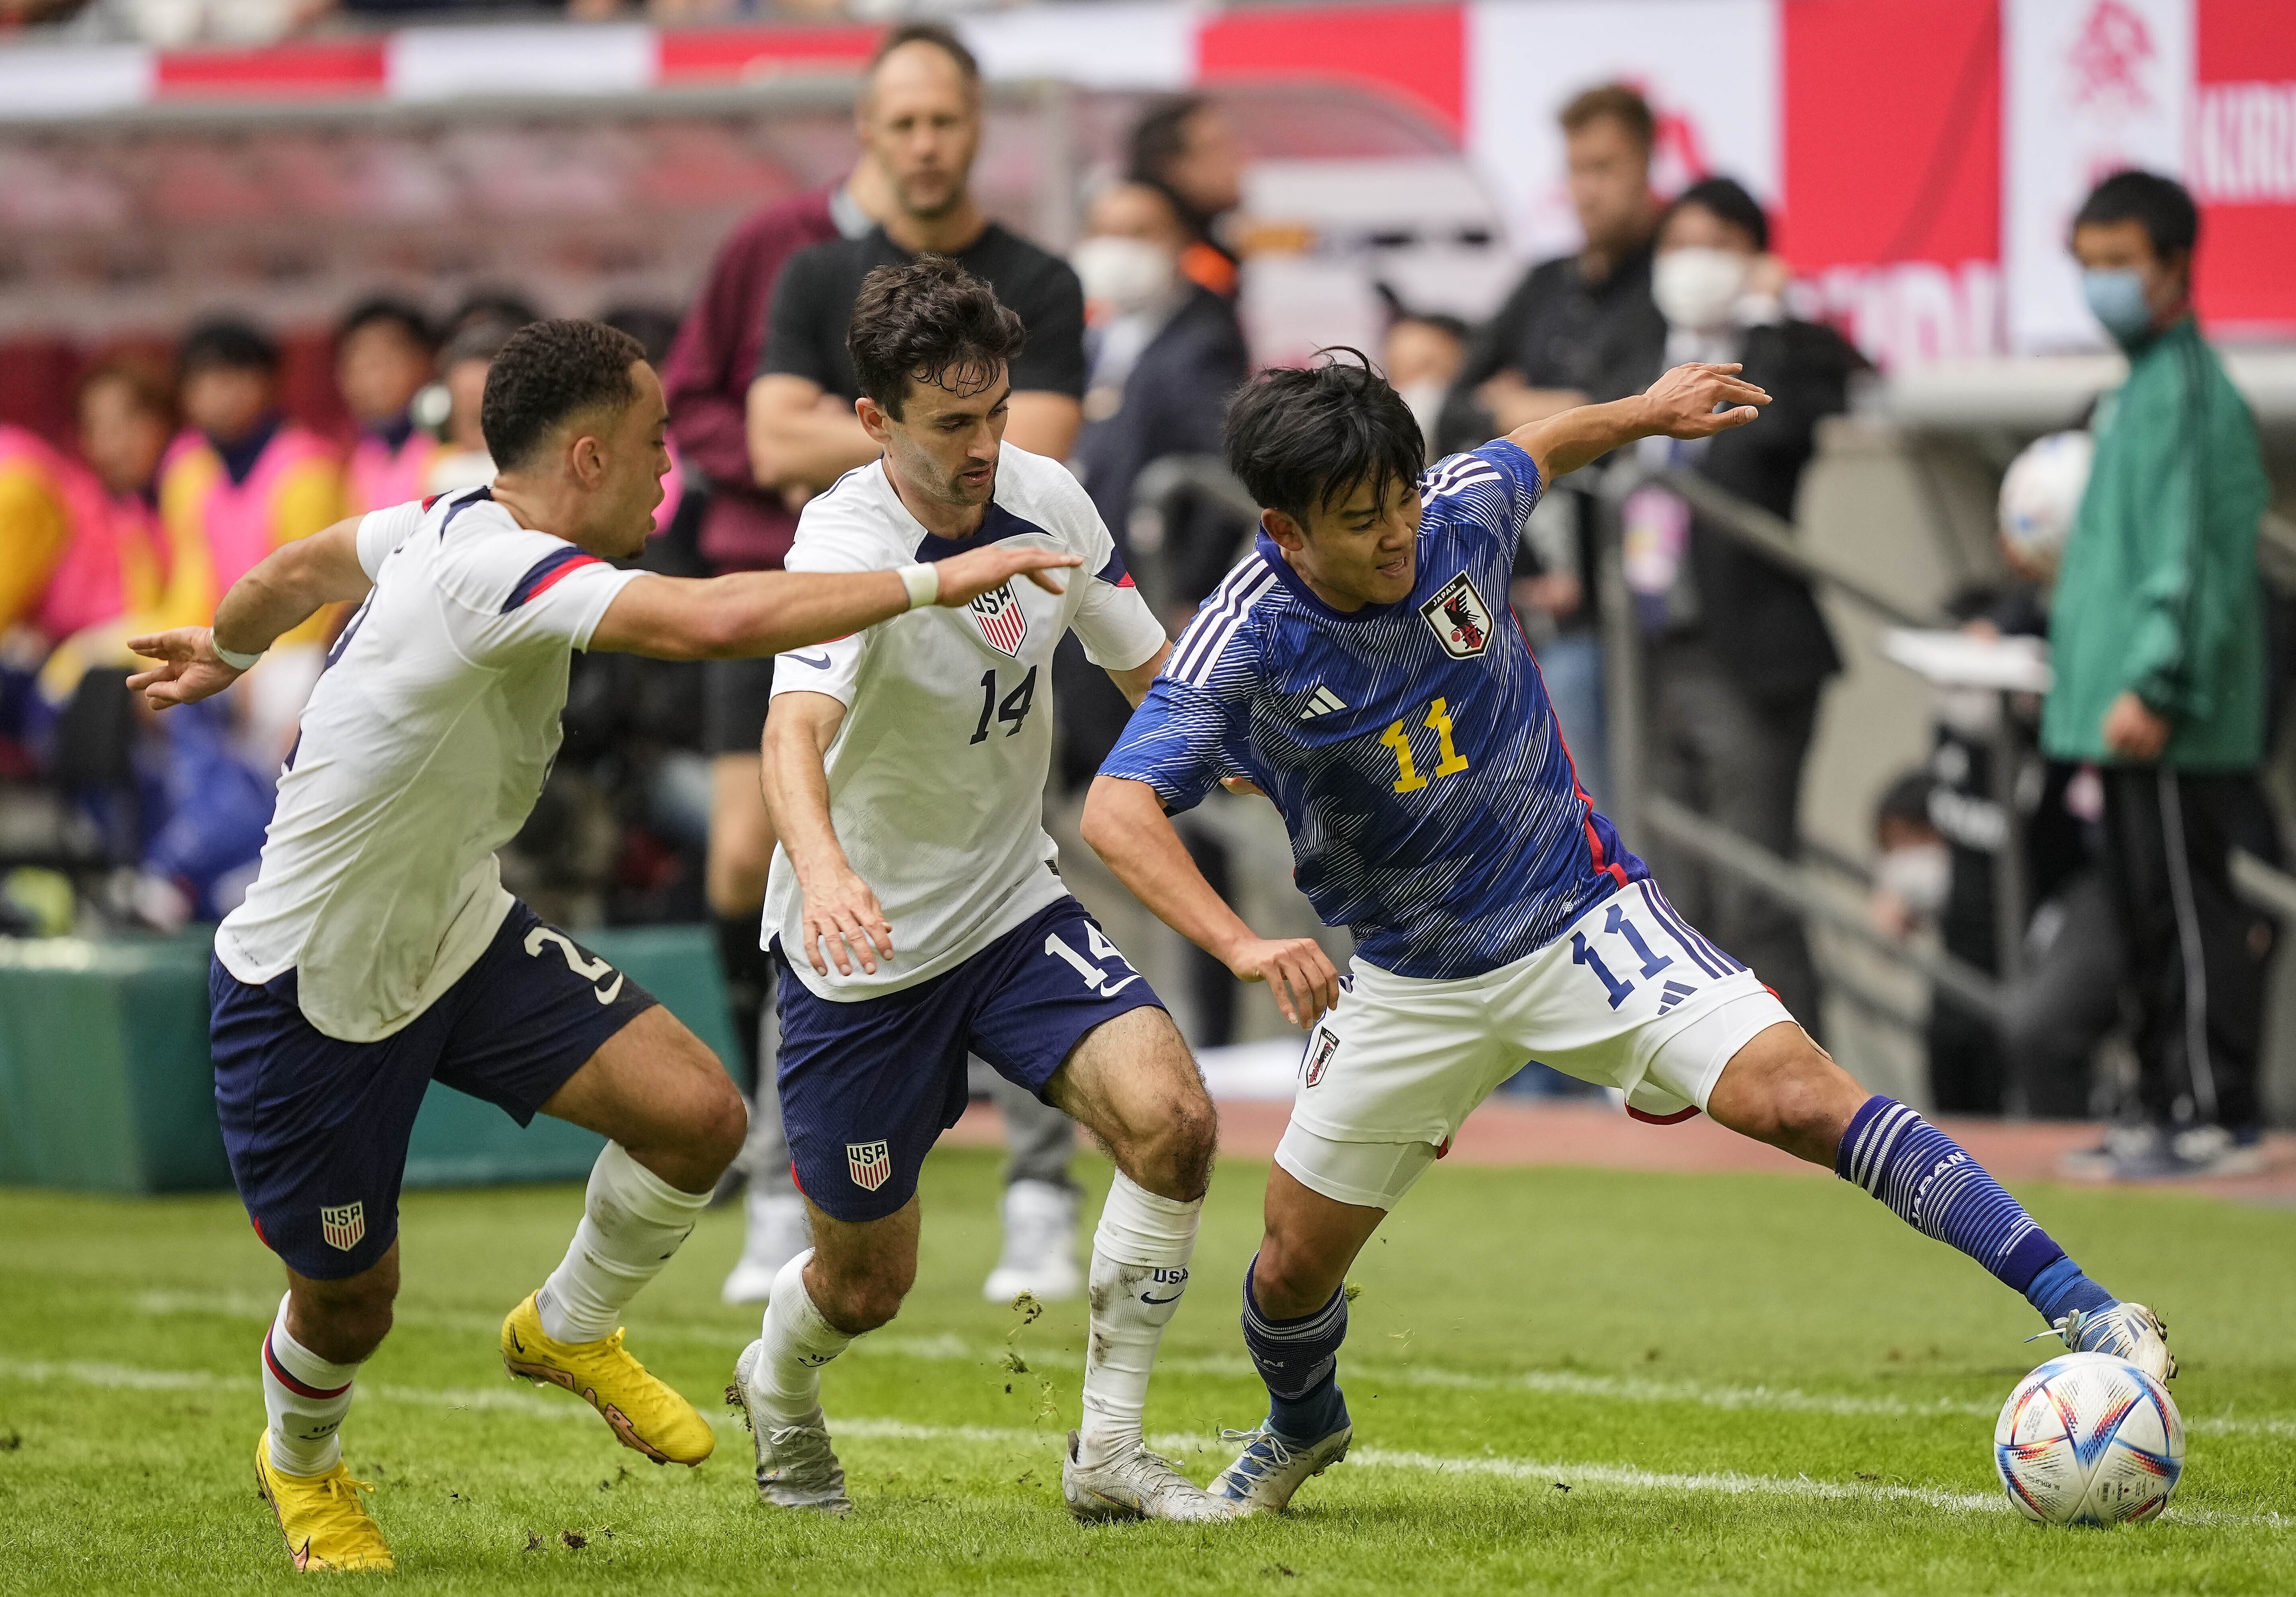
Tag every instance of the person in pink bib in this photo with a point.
(383, 353)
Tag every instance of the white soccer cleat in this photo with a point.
(1040, 1245)
(2125, 1331)
(1135, 1485)
(777, 1233)
(797, 1467)
(1271, 1468)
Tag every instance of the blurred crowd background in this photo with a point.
(230, 315)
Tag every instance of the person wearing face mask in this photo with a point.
(2157, 637)
(1738, 649)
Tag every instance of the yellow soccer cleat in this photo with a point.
(644, 1413)
(326, 1525)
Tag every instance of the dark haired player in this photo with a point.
(378, 950)
(1361, 669)
(917, 915)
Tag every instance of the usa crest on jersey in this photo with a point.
(1460, 620)
(343, 1224)
(1000, 619)
(870, 1163)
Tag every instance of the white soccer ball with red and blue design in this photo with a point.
(2089, 1440)
(2040, 495)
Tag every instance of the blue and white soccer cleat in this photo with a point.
(2125, 1331)
(1271, 1467)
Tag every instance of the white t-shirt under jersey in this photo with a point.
(423, 750)
(936, 776)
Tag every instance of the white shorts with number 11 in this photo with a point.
(1631, 997)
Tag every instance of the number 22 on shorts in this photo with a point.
(1102, 950)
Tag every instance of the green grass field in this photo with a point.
(1746, 1383)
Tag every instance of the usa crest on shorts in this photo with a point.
(343, 1224)
(1459, 619)
(1000, 619)
(871, 1163)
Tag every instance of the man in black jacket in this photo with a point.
(1739, 648)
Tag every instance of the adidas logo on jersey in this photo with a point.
(1322, 702)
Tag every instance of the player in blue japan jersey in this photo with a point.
(1362, 669)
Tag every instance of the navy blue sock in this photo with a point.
(2060, 1287)
(1299, 1361)
(1929, 1181)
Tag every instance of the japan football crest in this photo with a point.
(1319, 1058)
(1000, 619)
(343, 1224)
(871, 1163)
(1460, 620)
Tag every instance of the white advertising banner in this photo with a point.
(1710, 68)
(2094, 86)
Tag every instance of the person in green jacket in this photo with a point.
(2157, 637)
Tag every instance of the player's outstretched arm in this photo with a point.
(286, 588)
(839, 911)
(1696, 400)
(1126, 824)
(765, 612)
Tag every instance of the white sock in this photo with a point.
(1139, 1268)
(798, 1342)
(632, 1221)
(307, 1398)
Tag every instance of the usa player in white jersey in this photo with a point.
(378, 951)
(918, 916)
(1361, 668)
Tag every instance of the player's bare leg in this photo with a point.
(324, 1330)
(849, 1282)
(1133, 1083)
(674, 1121)
(1782, 1088)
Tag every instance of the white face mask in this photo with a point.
(1919, 875)
(1126, 275)
(1697, 288)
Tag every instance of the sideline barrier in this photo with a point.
(105, 1083)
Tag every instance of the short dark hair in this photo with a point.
(145, 379)
(932, 320)
(1726, 198)
(1305, 438)
(549, 371)
(230, 344)
(1161, 138)
(939, 36)
(2160, 204)
(1619, 100)
(403, 314)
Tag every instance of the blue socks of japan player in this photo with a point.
(1300, 1361)
(1929, 1180)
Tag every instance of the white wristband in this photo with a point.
(923, 582)
(233, 657)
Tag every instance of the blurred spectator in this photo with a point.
(706, 378)
(2157, 637)
(1423, 354)
(1577, 328)
(464, 362)
(383, 357)
(123, 565)
(42, 496)
(1165, 353)
(1738, 649)
(238, 482)
(919, 125)
(1186, 147)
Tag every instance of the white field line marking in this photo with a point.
(1561, 1383)
(1622, 1477)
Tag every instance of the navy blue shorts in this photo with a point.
(316, 1128)
(868, 1087)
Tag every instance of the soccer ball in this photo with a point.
(2040, 495)
(2089, 1440)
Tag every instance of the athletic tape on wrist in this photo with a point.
(923, 582)
(233, 657)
